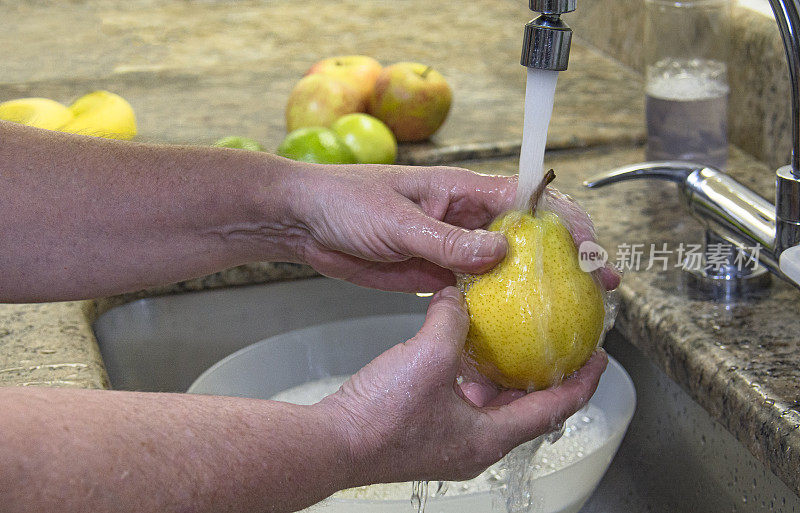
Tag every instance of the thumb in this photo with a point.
(446, 323)
(449, 246)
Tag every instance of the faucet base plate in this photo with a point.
(702, 285)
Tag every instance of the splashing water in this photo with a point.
(540, 91)
(419, 495)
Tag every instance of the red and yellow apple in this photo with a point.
(412, 99)
(319, 100)
(360, 70)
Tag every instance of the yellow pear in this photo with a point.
(102, 114)
(37, 112)
(537, 316)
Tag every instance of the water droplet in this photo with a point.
(419, 495)
(556, 435)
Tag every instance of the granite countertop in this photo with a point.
(196, 72)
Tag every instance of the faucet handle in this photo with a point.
(718, 201)
(677, 172)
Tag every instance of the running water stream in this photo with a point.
(540, 91)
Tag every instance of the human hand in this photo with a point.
(408, 228)
(399, 228)
(406, 417)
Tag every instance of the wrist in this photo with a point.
(345, 442)
(365, 445)
(269, 228)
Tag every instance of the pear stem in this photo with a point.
(537, 194)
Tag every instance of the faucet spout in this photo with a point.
(547, 38)
(787, 203)
(787, 14)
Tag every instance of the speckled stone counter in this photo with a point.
(198, 71)
(50, 344)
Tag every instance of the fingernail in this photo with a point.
(450, 293)
(487, 244)
(602, 353)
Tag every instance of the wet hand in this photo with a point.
(407, 417)
(408, 228)
(400, 228)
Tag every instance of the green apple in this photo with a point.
(319, 100)
(239, 143)
(368, 138)
(316, 144)
(360, 70)
(412, 98)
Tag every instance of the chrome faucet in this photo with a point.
(547, 39)
(730, 211)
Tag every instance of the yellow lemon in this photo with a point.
(537, 316)
(38, 112)
(102, 114)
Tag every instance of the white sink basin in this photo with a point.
(338, 348)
